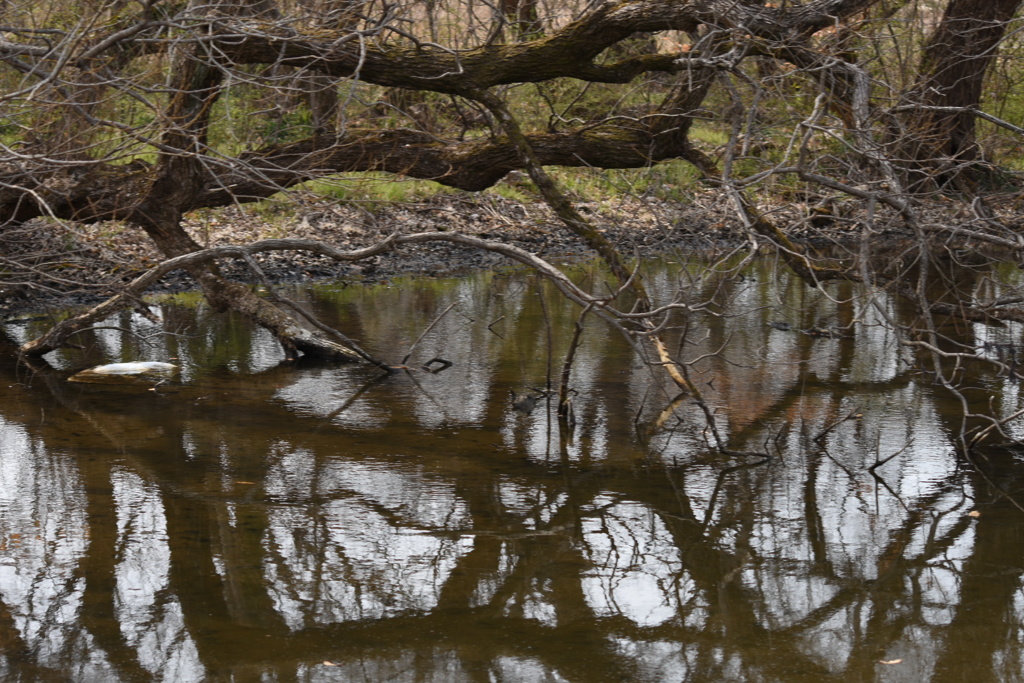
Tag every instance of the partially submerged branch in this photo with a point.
(129, 297)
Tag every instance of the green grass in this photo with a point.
(372, 188)
(369, 190)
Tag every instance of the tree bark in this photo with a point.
(941, 141)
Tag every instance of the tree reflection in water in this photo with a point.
(271, 521)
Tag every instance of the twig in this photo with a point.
(427, 331)
(570, 355)
(879, 463)
(854, 414)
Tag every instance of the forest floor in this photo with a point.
(51, 265)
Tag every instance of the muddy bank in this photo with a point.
(53, 265)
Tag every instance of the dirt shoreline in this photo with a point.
(56, 266)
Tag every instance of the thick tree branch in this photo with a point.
(110, 191)
(568, 52)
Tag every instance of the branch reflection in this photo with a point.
(310, 522)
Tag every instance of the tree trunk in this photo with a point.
(939, 133)
(179, 176)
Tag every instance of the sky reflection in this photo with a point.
(301, 521)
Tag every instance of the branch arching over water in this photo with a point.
(56, 337)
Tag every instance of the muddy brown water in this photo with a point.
(263, 520)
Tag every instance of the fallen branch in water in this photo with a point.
(57, 336)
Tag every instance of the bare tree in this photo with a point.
(197, 54)
(144, 113)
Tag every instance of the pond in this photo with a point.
(258, 519)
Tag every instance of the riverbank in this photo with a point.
(52, 265)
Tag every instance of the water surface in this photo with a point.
(303, 521)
